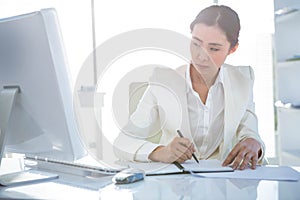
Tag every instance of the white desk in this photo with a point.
(188, 187)
(155, 187)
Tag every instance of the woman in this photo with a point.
(212, 106)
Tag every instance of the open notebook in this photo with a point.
(156, 168)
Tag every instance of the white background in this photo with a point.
(116, 16)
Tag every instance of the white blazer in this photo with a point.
(163, 109)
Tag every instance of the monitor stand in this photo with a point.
(7, 100)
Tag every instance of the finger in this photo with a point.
(183, 148)
(187, 155)
(180, 160)
(185, 142)
(245, 161)
(254, 161)
(231, 156)
(184, 157)
(238, 160)
(180, 154)
(192, 148)
(177, 143)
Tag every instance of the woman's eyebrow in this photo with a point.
(215, 44)
(197, 39)
(211, 43)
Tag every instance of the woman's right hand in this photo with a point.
(179, 149)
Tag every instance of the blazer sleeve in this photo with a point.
(248, 127)
(141, 130)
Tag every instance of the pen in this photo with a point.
(180, 134)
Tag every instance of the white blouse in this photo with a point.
(206, 120)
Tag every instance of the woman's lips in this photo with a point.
(202, 66)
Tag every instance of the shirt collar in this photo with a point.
(219, 79)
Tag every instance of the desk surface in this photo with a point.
(156, 187)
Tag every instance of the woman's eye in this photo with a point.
(214, 49)
(196, 44)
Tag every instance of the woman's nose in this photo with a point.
(203, 55)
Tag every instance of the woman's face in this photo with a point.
(209, 48)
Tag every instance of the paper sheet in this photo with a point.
(211, 165)
(156, 168)
(277, 173)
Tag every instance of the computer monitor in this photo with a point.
(36, 112)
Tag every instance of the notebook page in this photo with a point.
(211, 165)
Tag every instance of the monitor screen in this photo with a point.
(32, 57)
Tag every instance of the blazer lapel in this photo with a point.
(236, 94)
(228, 114)
(185, 125)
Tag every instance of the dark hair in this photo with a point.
(222, 16)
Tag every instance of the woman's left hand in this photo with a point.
(245, 152)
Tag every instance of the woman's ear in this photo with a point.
(233, 49)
